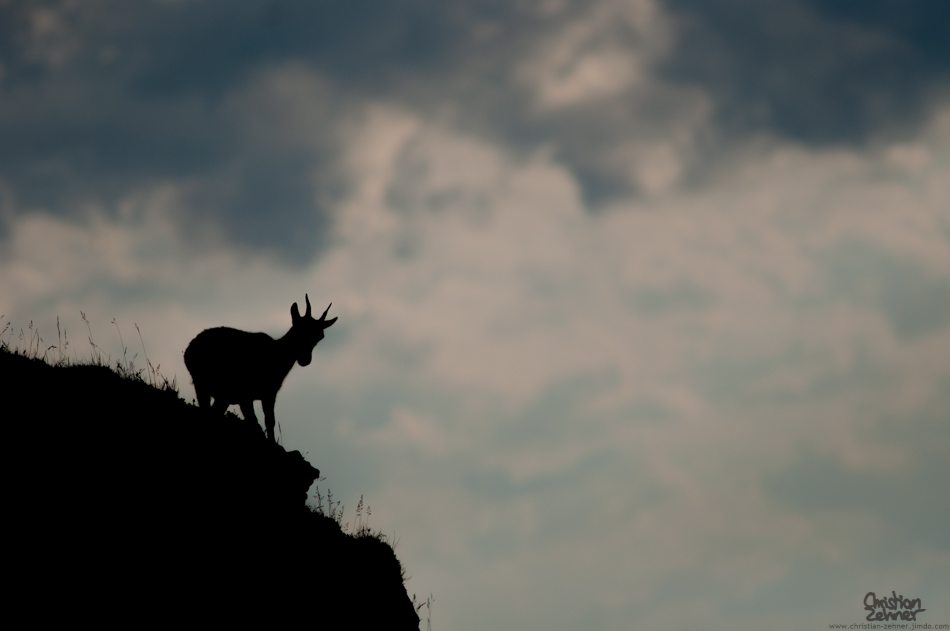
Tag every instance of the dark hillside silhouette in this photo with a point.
(128, 504)
(237, 367)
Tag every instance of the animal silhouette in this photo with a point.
(233, 366)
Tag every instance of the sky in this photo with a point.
(644, 306)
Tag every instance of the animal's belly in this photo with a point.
(237, 391)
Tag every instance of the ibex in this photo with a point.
(235, 366)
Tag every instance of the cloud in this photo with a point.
(905, 503)
(243, 111)
(915, 301)
(633, 98)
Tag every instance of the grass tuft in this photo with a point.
(428, 605)
(334, 511)
(30, 342)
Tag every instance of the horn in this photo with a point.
(324, 316)
(307, 298)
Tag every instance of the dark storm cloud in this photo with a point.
(818, 71)
(99, 99)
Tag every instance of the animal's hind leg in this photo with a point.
(247, 409)
(268, 405)
(219, 407)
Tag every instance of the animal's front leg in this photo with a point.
(268, 405)
(204, 399)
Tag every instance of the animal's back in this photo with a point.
(224, 362)
(214, 347)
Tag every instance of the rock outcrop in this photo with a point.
(124, 498)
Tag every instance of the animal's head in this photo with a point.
(307, 331)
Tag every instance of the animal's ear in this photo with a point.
(328, 323)
(294, 313)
